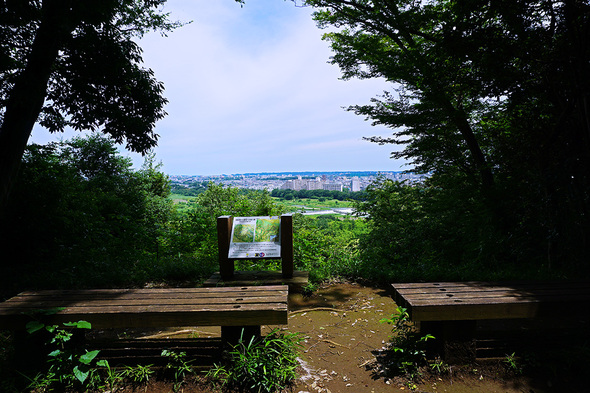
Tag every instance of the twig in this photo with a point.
(334, 343)
(314, 309)
(176, 333)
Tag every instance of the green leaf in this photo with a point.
(45, 311)
(81, 375)
(34, 326)
(103, 363)
(54, 353)
(79, 324)
(88, 357)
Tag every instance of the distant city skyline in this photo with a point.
(250, 89)
(280, 180)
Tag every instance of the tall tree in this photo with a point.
(74, 63)
(491, 94)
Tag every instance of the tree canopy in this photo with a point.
(80, 216)
(70, 63)
(488, 96)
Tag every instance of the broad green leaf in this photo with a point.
(79, 324)
(81, 375)
(88, 357)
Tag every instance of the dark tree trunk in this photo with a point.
(28, 93)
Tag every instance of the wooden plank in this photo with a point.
(501, 296)
(296, 283)
(206, 291)
(39, 301)
(19, 307)
(454, 312)
(571, 292)
(477, 300)
(511, 284)
(111, 308)
(158, 319)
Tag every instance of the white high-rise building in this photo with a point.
(332, 186)
(355, 184)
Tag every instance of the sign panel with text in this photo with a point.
(255, 237)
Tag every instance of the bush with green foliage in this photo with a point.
(68, 366)
(407, 352)
(318, 194)
(433, 230)
(80, 216)
(327, 246)
(260, 365)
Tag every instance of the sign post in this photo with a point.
(226, 266)
(287, 245)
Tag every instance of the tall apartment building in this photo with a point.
(355, 184)
(302, 184)
(332, 186)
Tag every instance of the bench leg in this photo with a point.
(454, 340)
(231, 334)
(29, 351)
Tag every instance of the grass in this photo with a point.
(183, 203)
(295, 205)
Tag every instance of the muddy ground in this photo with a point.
(345, 338)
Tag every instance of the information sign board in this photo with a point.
(255, 237)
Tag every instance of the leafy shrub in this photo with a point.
(260, 365)
(68, 367)
(407, 352)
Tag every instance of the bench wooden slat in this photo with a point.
(155, 292)
(52, 303)
(492, 284)
(466, 296)
(112, 308)
(478, 300)
(157, 319)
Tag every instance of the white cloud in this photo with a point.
(252, 86)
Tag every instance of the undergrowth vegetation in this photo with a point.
(262, 365)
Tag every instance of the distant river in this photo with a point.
(342, 211)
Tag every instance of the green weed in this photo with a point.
(138, 374)
(178, 363)
(68, 367)
(259, 365)
(113, 378)
(408, 351)
(512, 363)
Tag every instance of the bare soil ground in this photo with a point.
(345, 338)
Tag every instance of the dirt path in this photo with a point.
(343, 335)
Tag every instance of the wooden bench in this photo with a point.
(230, 307)
(450, 310)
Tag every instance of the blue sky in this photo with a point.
(251, 90)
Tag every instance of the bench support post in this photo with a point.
(232, 334)
(454, 340)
